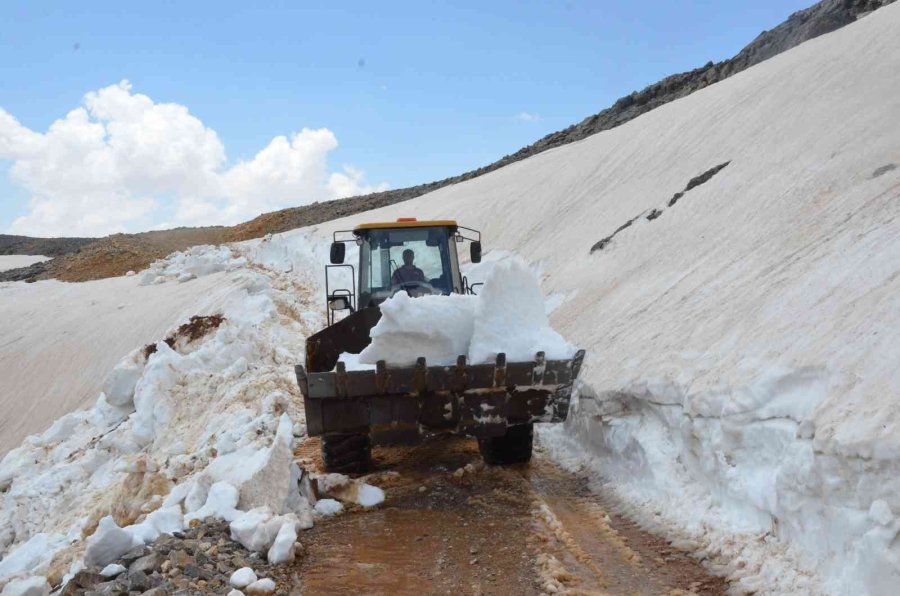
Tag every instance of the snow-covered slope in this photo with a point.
(740, 389)
(60, 340)
(15, 261)
(743, 345)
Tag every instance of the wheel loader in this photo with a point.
(497, 403)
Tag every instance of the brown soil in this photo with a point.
(118, 254)
(452, 526)
(197, 327)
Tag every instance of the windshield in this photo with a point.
(415, 260)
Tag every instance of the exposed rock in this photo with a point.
(204, 559)
(147, 564)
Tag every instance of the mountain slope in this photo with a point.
(118, 254)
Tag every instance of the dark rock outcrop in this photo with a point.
(48, 247)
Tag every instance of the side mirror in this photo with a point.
(337, 253)
(475, 252)
(339, 303)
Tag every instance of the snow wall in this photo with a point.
(741, 386)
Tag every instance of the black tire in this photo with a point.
(512, 448)
(347, 453)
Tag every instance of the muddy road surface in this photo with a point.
(450, 525)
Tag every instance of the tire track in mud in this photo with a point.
(453, 526)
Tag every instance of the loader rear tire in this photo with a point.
(512, 448)
(347, 453)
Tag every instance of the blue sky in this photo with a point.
(412, 91)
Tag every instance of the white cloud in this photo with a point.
(118, 161)
(528, 117)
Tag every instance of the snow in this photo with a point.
(739, 391)
(508, 315)
(436, 327)
(8, 262)
(112, 570)
(62, 339)
(221, 502)
(282, 549)
(185, 431)
(369, 495)
(261, 586)
(32, 586)
(347, 490)
(107, 543)
(33, 556)
(328, 507)
(242, 578)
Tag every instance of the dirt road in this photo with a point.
(452, 526)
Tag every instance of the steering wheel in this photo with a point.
(414, 288)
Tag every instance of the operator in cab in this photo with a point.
(408, 272)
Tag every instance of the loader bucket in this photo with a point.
(399, 404)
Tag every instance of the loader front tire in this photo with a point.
(347, 453)
(512, 448)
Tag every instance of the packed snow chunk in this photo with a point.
(250, 529)
(328, 507)
(112, 570)
(508, 315)
(161, 521)
(32, 586)
(262, 476)
(197, 493)
(242, 578)
(221, 502)
(258, 528)
(282, 550)
(436, 327)
(511, 317)
(197, 261)
(369, 496)
(121, 381)
(32, 556)
(346, 489)
(261, 586)
(108, 543)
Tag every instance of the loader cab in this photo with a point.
(381, 271)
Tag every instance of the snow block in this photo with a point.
(510, 317)
(262, 586)
(328, 507)
(242, 578)
(32, 586)
(436, 327)
(269, 486)
(282, 549)
(120, 384)
(221, 502)
(112, 570)
(107, 543)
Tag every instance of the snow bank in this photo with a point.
(203, 428)
(508, 315)
(68, 336)
(197, 261)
